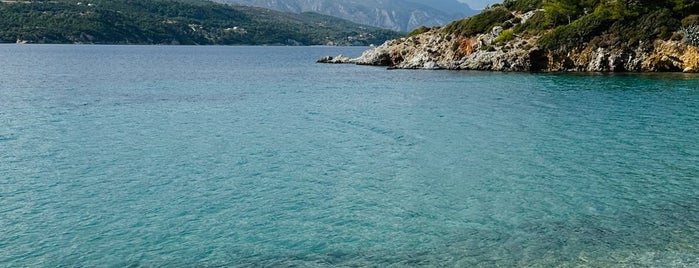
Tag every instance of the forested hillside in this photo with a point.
(192, 22)
(569, 23)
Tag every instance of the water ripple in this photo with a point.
(255, 165)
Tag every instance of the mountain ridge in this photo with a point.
(398, 15)
(188, 22)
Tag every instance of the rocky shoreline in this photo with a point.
(434, 50)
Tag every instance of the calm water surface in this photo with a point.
(256, 156)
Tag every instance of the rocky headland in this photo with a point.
(505, 47)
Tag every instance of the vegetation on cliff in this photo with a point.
(565, 24)
(554, 35)
(192, 22)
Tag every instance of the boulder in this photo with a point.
(336, 60)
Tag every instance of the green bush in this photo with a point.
(690, 20)
(480, 23)
(686, 6)
(657, 24)
(505, 36)
(419, 30)
(522, 5)
(535, 25)
(571, 35)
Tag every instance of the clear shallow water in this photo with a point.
(257, 156)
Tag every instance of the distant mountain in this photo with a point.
(191, 22)
(399, 15)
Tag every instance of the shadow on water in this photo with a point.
(624, 81)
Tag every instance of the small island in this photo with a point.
(553, 36)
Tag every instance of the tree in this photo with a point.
(558, 10)
(685, 6)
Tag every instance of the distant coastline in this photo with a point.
(175, 22)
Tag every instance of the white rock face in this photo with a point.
(496, 30)
(435, 50)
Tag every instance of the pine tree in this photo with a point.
(557, 9)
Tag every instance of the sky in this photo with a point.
(479, 4)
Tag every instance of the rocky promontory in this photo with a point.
(505, 47)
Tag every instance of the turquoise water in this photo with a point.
(256, 156)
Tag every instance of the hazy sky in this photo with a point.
(480, 4)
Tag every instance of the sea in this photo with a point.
(235, 156)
